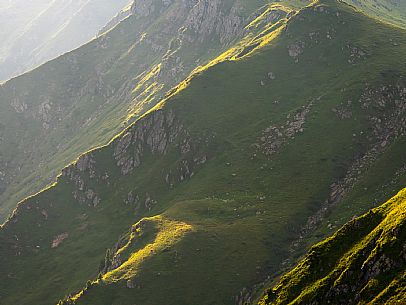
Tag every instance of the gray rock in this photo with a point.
(296, 49)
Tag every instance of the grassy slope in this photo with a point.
(82, 99)
(390, 11)
(363, 263)
(236, 217)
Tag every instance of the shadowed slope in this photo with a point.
(208, 193)
(82, 99)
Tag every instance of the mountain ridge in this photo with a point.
(200, 194)
(119, 80)
(363, 263)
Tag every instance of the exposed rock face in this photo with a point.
(86, 197)
(131, 284)
(183, 27)
(296, 49)
(157, 133)
(363, 263)
(378, 259)
(274, 137)
(154, 133)
(385, 107)
(144, 8)
(132, 199)
(113, 258)
(244, 297)
(85, 162)
(59, 239)
(389, 104)
(343, 111)
(355, 54)
(18, 106)
(149, 202)
(207, 18)
(85, 165)
(44, 112)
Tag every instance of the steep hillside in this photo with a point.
(83, 98)
(391, 11)
(33, 32)
(363, 263)
(226, 180)
(120, 16)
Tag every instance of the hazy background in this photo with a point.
(35, 31)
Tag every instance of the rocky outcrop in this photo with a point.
(18, 105)
(144, 8)
(87, 196)
(378, 258)
(59, 239)
(296, 49)
(207, 18)
(149, 202)
(274, 137)
(355, 54)
(388, 102)
(85, 166)
(157, 133)
(357, 265)
(154, 133)
(149, 55)
(132, 198)
(343, 111)
(385, 109)
(113, 259)
(244, 297)
(183, 170)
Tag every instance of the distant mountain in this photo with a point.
(33, 32)
(363, 263)
(390, 11)
(297, 126)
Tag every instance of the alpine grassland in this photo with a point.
(220, 187)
